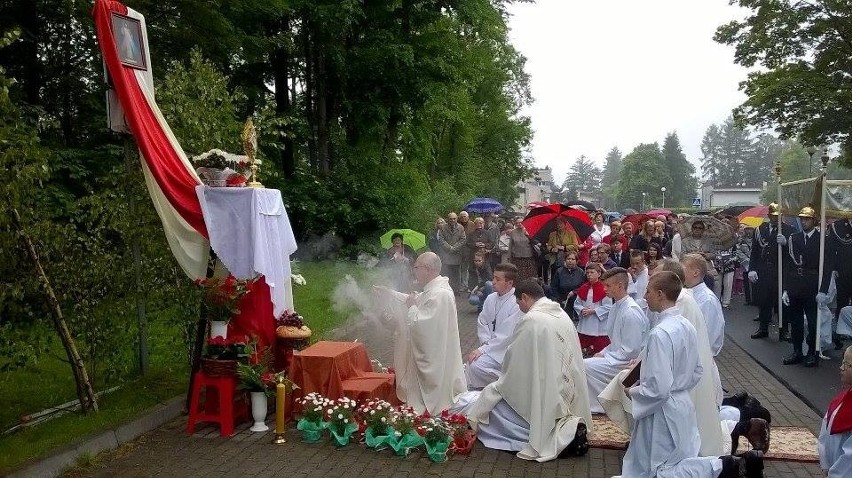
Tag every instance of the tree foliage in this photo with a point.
(584, 175)
(803, 53)
(684, 184)
(611, 174)
(734, 158)
(645, 171)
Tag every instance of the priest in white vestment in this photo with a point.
(427, 352)
(695, 268)
(495, 326)
(628, 329)
(539, 407)
(706, 395)
(664, 441)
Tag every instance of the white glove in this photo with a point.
(822, 298)
(752, 276)
(785, 299)
(781, 240)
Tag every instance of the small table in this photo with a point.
(337, 369)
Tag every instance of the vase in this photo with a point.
(258, 411)
(380, 441)
(463, 444)
(403, 443)
(342, 439)
(219, 328)
(438, 451)
(311, 431)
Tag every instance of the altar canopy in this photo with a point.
(169, 175)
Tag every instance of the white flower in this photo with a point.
(384, 419)
(372, 412)
(340, 416)
(399, 434)
(345, 420)
(346, 405)
(298, 279)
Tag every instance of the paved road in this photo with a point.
(169, 452)
(815, 386)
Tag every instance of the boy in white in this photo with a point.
(664, 441)
(592, 307)
(496, 323)
(694, 269)
(628, 330)
(835, 436)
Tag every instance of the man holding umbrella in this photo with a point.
(764, 269)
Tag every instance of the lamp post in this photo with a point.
(643, 200)
(663, 190)
(811, 151)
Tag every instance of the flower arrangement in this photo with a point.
(222, 296)
(220, 348)
(340, 414)
(434, 430)
(463, 436)
(403, 420)
(376, 416)
(313, 407)
(255, 377)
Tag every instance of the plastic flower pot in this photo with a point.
(402, 444)
(462, 445)
(438, 451)
(379, 441)
(342, 439)
(311, 431)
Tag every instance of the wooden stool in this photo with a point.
(219, 406)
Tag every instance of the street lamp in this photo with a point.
(663, 190)
(643, 201)
(811, 151)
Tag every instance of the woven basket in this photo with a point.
(219, 368)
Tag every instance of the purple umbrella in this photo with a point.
(483, 205)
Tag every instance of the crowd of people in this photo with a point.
(648, 314)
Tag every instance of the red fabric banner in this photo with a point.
(170, 172)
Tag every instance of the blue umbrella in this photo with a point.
(483, 205)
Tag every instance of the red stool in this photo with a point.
(219, 406)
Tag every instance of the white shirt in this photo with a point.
(598, 234)
(595, 324)
(835, 451)
(713, 316)
(496, 323)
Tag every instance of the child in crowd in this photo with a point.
(592, 307)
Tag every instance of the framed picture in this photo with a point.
(128, 41)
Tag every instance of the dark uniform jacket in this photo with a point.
(801, 275)
(764, 261)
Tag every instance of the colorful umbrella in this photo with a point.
(638, 220)
(483, 205)
(541, 221)
(658, 212)
(414, 239)
(718, 232)
(753, 217)
(536, 204)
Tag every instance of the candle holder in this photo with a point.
(279, 439)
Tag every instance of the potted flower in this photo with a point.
(312, 423)
(221, 355)
(403, 437)
(436, 436)
(221, 299)
(257, 380)
(376, 416)
(463, 437)
(341, 420)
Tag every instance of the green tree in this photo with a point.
(644, 171)
(611, 174)
(584, 175)
(684, 185)
(799, 56)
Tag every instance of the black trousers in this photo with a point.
(796, 311)
(452, 271)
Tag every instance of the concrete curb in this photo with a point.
(108, 440)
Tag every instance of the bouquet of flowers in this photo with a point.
(404, 436)
(341, 419)
(256, 377)
(222, 296)
(219, 168)
(311, 423)
(436, 436)
(376, 416)
(463, 436)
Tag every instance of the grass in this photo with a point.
(49, 382)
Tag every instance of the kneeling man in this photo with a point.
(500, 314)
(539, 406)
(628, 330)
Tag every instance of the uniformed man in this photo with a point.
(764, 270)
(838, 249)
(801, 287)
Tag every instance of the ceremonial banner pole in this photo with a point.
(822, 231)
(779, 260)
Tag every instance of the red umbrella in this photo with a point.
(541, 221)
(637, 220)
(536, 204)
(658, 212)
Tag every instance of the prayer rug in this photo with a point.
(785, 444)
